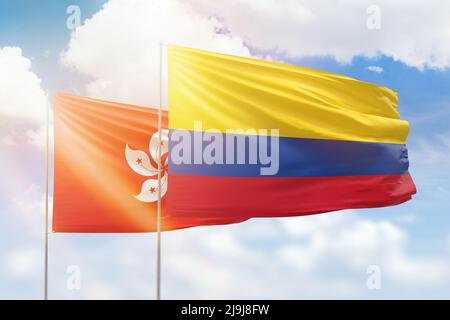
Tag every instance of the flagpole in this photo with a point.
(158, 218)
(47, 142)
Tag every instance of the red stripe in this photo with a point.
(218, 200)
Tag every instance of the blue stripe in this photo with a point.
(309, 158)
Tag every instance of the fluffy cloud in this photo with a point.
(21, 94)
(119, 47)
(23, 263)
(8, 140)
(327, 254)
(38, 136)
(340, 28)
(23, 102)
(359, 242)
(323, 256)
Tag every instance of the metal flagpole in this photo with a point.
(158, 217)
(47, 143)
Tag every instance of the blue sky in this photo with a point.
(37, 27)
(415, 236)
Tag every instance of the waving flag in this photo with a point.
(106, 166)
(252, 138)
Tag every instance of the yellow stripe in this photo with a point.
(230, 92)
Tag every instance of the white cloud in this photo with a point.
(326, 259)
(21, 95)
(119, 47)
(8, 140)
(23, 105)
(47, 53)
(19, 134)
(327, 254)
(339, 28)
(38, 136)
(358, 243)
(28, 209)
(31, 201)
(431, 271)
(23, 263)
(376, 69)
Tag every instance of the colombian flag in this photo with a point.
(341, 142)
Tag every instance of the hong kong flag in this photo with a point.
(106, 167)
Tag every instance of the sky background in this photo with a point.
(113, 55)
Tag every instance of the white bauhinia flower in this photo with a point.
(149, 190)
(140, 162)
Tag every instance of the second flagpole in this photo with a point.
(158, 215)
